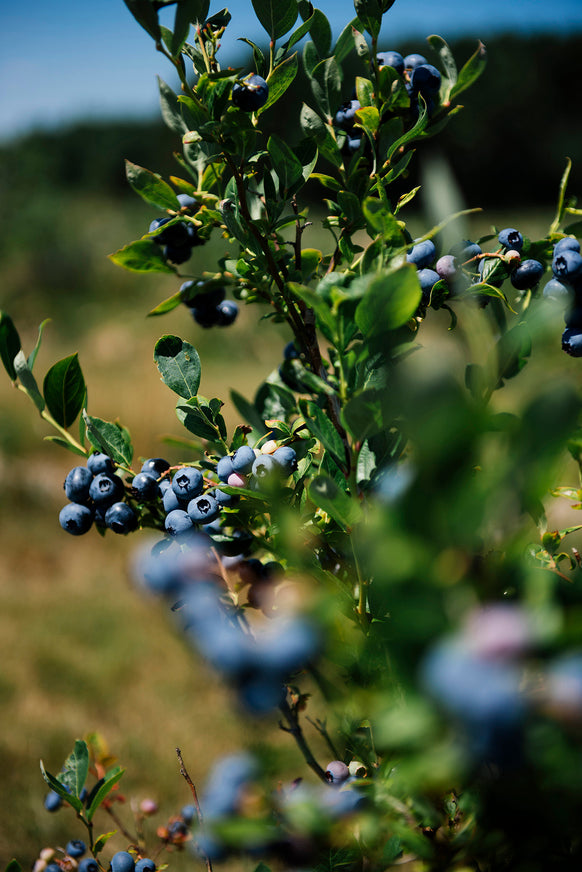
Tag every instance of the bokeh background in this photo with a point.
(80, 651)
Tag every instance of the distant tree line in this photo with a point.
(505, 150)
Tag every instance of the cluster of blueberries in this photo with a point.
(209, 308)
(420, 78)
(75, 850)
(256, 666)
(96, 492)
(467, 264)
(566, 287)
(181, 237)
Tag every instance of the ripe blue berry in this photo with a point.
(337, 772)
(243, 459)
(89, 864)
(106, 489)
(170, 501)
(425, 80)
(225, 467)
(557, 290)
(572, 341)
(155, 466)
(422, 254)
(250, 94)
(75, 848)
(412, 61)
(122, 862)
(98, 462)
(567, 243)
(145, 865)
(527, 274)
(466, 250)
(224, 499)
(120, 518)
(511, 238)
(227, 313)
(77, 484)
(345, 117)
(187, 202)
(187, 483)
(286, 458)
(75, 518)
(203, 509)
(567, 264)
(178, 253)
(145, 486)
(263, 466)
(428, 279)
(52, 801)
(391, 59)
(174, 236)
(290, 351)
(177, 522)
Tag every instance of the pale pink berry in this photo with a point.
(235, 479)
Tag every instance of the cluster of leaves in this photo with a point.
(412, 496)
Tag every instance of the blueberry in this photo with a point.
(353, 143)
(194, 238)
(155, 466)
(203, 509)
(286, 458)
(77, 484)
(511, 238)
(177, 522)
(527, 274)
(106, 489)
(446, 267)
(175, 236)
(188, 812)
(466, 250)
(52, 801)
(144, 486)
(567, 243)
(425, 80)
(243, 459)
(573, 318)
(205, 317)
(209, 299)
(557, 290)
(412, 61)
(89, 865)
(567, 264)
(224, 499)
(145, 865)
(75, 848)
(572, 341)
(227, 313)
(53, 867)
(187, 483)
(170, 501)
(75, 518)
(337, 772)
(345, 117)
(120, 518)
(263, 466)
(187, 202)
(122, 861)
(290, 351)
(289, 646)
(260, 693)
(250, 94)
(428, 279)
(422, 254)
(225, 467)
(178, 253)
(391, 59)
(98, 462)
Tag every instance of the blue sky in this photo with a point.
(66, 59)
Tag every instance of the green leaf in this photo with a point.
(276, 16)
(513, 351)
(370, 14)
(171, 109)
(325, 493)
(312, 125)
(64, 390)
(109, 782)
(320, 32)
(110, 438)
(27, 380)
(10, 344)
(59, 440)
(326, 84)
(145, 14)
(144, 255)
(76, 768)
(187, 11)
(179, 365)
(248, 412)
(446, 56)
(470, 72)
(167, 305)
(362, 414)
(279, 80)
(32, 356)
(382, 222)
(101, 841)
(390, 301)
(191, 416)
(58, 787)
(562, 199)
(151, 187)
(319, 424)
(345, 43)
(286, 165)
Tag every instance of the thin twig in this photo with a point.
(192, 786)
(295, 729)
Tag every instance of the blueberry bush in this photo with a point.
(374, 534)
